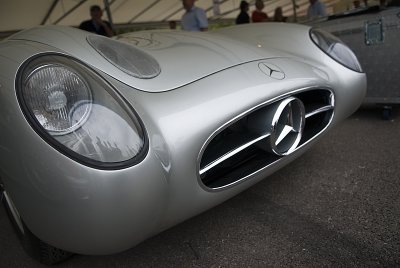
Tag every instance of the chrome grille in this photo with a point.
(264, 136)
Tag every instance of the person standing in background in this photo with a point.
(172, 25)
(243, 16)
(316, 9)
(195, 18)
(258, 15)
(278, 15)
(96, 24)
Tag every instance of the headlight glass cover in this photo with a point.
(335, 48)
(79, 113)
(125, 57)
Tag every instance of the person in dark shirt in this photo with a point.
(278, 15)
(243, 16)
(96, 24)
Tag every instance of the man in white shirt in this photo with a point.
(195, 18)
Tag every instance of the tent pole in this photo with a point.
(53, 5)
(294, 10)
(108, 12)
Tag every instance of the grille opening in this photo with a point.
(315, 124)
(226, 141)
(315, 99)
(241, 149)
(239, 166)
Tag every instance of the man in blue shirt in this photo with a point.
(316, 9)
(195, 18)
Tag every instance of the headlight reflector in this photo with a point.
(335, 48)
(62, 91)
(79, 113)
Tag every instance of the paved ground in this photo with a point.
(337, 206)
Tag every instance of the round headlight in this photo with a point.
(53, 93)
(335, 48)
(79, 113)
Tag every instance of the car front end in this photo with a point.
(135, 150)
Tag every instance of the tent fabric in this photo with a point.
(21, 14)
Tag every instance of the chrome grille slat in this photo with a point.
(319, 110)
(232, 153)
(250, 143)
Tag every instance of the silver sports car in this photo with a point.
(106, 142)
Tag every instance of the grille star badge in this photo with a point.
(287, 126)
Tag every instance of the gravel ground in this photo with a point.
(337, 206)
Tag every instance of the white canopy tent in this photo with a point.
(21, 14)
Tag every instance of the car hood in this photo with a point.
(183, 57)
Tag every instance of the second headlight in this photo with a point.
(335, 48)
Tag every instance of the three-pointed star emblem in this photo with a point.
(287, 126)
(271, 70)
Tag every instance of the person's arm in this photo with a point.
(202, 20)
(309, 12)
(322, 10)
(106, 26)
